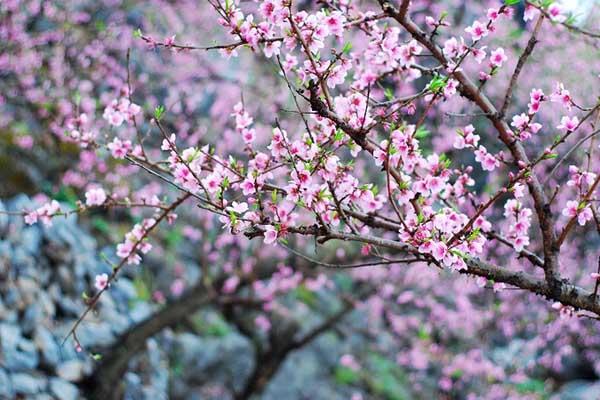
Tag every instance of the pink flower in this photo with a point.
(487, 160)
(439, 251)
(477, 30)
(466, 137)
(101, 282)
(118, 148)
(169, 41)
(348, 361)
(270, 234)
(556, 14)
(430, 21)
(520, 121)
(263, 323)
(177, 287)
(568, 124)
(95, 197)
(451, 47)
(479, 54)
(530, 12)
(561, 95)
(238, 208)
(498, 57)
(498, 286)
(31, 218)
(230, 284)
(493, 14)
(573, 209)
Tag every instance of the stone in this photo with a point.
(46, 304)
(9, 336)
(63, 390)
(71, 371)
(6, 389)
(27, 384)
(123, 290)
(141, 311)
(31, 240)
(69, 307)
(21, 357)
(31, 318)
(29, 289)
(3, 220)
(19, 361)
(47, 346)
(579, 390)
(95, 334)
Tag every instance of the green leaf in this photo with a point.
(422, 133)
(423, 334)
(67, 195)
(339, 135)
(159, 112)
(456, 374)
(437, 84)
(388, 381)
(531, 386)
(511, 2)
(389, 94)
(141, 289)
(346, 376)
(137, 33)
(173, 238)
(97, 357)
(101, 224)
(347, 48)
(306, 296)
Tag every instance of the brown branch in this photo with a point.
(471, 92)
(520, 63)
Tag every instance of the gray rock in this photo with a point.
(28, 384)
(4, 311)
(46, 304)
(42, 396)
(47, 346)
(123, 290)
(118, 321)
(32, 317)
(141, 311)
(72, 370)
(3, 220)
(69, 307)
(13, 299)
(9, 336)
(31, 240)
(18, 361)
(95, 334)
(6, 389)
(6, 254)
(63, 390)
(22, 357)
(579, 390)
(28, 288)
(133, 386)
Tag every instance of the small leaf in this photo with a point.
(347, 48)
(159, 112)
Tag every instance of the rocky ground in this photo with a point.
(43, 273)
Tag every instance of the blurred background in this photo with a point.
(326, 335)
